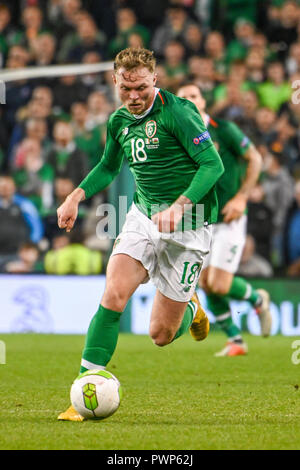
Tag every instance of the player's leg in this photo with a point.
(176, 307)
(167, 317)
(219, 304)
(170, 319)
(124, 275)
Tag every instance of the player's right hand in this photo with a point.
(67, 214)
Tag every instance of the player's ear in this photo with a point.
(154, 79)
(114, 78)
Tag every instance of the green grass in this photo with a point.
(177, 397)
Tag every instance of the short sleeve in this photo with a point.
(188, 127)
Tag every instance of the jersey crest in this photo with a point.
(150, 129)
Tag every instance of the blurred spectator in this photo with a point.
(86, 38)
(249, 106)
(73, 258)
(127, 25)
(173, 28)
(99, 109)
(25, 261)
(62, 17)
(255, 64)
(291, 241)
(175, 66)
(265, 119)
(6, 32)
(163, 81)
(252, 264)
(19, 219)
(202, 73)
(32, 21)
(224, 14)
(286, 142)
(277, 186)
(67, 90)
(37, 129)
(87, 137)
(17, 92)
(149, 12)
(276, 90)
(260, 222)
(193, 40)
(283, 32)
(89, 39)
(34, 177)
(65, 158)
(244, 36)
(214, 47)
(91, 81)
(39, 107)
(293, 60)
(228, 95)
(44, 49)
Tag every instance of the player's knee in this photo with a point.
(161, 337)
(115, 299)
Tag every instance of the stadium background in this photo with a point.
(245, 56)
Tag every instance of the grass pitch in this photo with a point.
(177, 397)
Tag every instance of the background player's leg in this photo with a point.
(124, 275)
(216, 283)
(221, 282)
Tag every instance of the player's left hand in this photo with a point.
(168, 219)
(234, 208)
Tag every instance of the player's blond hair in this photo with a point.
(131, 58)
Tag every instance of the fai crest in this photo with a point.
(150, 129)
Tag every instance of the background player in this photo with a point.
(242, 164)
(163, 138)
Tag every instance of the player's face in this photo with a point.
(135, 88)
(192, 93)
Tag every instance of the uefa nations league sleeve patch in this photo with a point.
(201, 138)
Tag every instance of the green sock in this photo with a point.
(101, 339)
(219, 305)
(242, 290)
(186, 321)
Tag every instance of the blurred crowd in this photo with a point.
(243, 54)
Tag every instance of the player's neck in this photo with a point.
(140, 116)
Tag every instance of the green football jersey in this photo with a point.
(231, 144)
(170, 153)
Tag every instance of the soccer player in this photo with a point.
(242, 164)
(175, 166)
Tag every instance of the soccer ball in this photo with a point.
(96, 394)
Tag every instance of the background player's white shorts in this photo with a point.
(173, 260)
(227, 245)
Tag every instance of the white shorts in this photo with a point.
(227, 245)
(173, 260)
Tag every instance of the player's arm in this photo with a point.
(242, 147)
(97, 180)
(186, 124)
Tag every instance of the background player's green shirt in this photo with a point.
(169, 152)
(231, 144)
